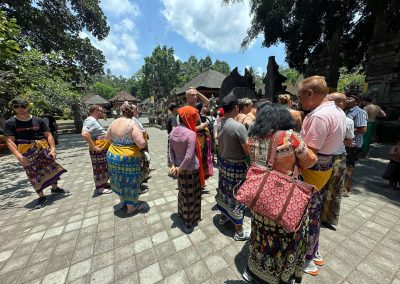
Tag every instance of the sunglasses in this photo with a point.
(19, 106)
(100, 110)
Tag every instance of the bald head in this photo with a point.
(338, 98)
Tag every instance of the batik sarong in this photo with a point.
(318, 175)
(275, 256)
(43, 170)
(205, 148)
(99, 162)
(124, 171)
(230, 174)
(189, 197)
(331, 206)
(371, 125)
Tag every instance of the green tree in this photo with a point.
(315, 30)
(104, 90)
(221, 66)
(205, 64)
(292, 75)
(10, 47)
(160, 72)
(55, 26)
(349, 78)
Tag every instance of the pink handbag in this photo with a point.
(277, 196)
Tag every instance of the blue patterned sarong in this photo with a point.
(230, 174)
(125, 172)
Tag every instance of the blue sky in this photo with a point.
(197, 27)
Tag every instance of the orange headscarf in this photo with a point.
(189, 116)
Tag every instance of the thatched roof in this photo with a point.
(209, 79)
(96, 100)
(122, 97)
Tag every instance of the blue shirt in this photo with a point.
(360, 118)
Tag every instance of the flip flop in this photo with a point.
(136, 210)
(105, 191)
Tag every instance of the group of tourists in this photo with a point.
(324, 144)
(317, 140)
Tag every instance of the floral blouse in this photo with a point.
(291, 149)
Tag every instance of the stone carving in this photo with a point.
(242, 86)
(273, 80)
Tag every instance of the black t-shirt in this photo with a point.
(50, 122)
(32, 129)
(171, 123)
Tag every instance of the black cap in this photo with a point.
(229, 102)
(19, 101)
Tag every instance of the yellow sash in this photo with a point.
(128, 151)
(316, 178)
(42, 144)
(102, 143)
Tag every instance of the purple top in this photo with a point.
(182, 148)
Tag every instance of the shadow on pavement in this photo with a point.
(241, 258)
(51, 198)
(177, 222)
(367, 176)
(227, 229)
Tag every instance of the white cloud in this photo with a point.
(119, 48)
(120, 7)
(209, 24)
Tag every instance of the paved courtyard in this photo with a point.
(79, 238)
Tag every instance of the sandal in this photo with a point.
(104, 191)
(59, 190)
(136, 210)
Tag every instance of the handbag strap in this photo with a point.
(279, 217)
(253, 202)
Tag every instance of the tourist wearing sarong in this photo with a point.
(203, 134)
(373, 111)
(94, 135)
(184, 154)
(232, 165)
(123, 158)
(275, 255)
(334, 187)
(144, 152)
(360, 119)
(31, 142)
(323, 131)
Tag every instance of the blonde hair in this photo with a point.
(284, 99)
(315, 83)
(190, 89)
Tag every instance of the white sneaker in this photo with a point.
(318, 260)
(310, 268)
(242, 236)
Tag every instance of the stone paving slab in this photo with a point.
(79, 238)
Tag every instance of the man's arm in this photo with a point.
(360, 130)
(88, 139)
(10, 140)
(381, 113)
(50, 140)
(202, 98)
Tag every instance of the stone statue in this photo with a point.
(273, 80)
